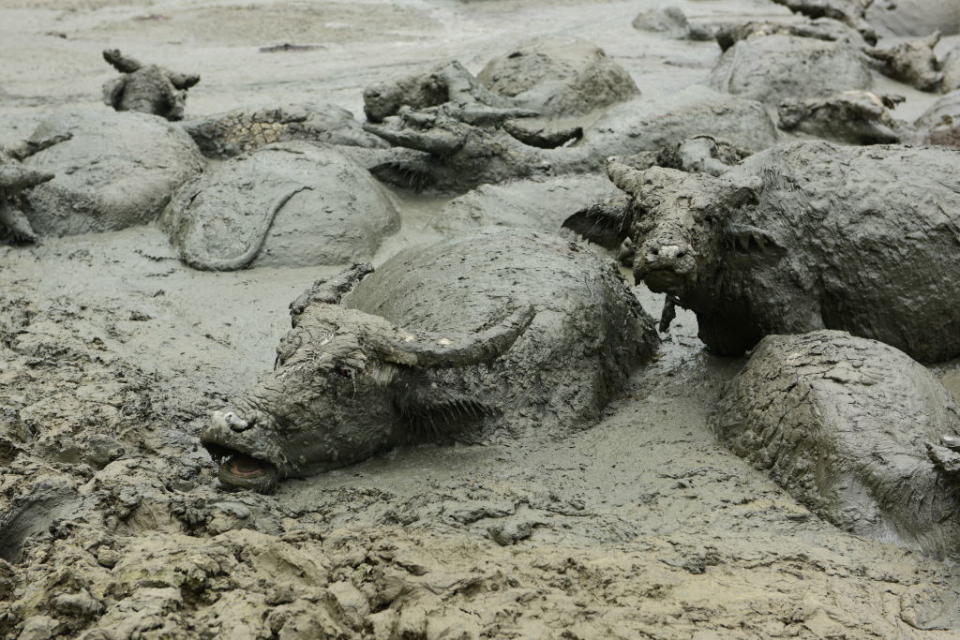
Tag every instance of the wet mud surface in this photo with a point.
(113, 354)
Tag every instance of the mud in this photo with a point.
(642, 526)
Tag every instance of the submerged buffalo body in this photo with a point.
(451, 154)
(505, 329)
(803, 237)
(855, 430)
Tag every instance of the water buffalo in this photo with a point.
(146, 88)
(225, 135)
(851, 117)
(503, 330)
(113, 170)
(773, 68)
(449, 154)
(855, 430)
(801, 237)
(284, 204)
(16, 178)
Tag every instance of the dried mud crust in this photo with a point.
(389, 584)
(136, 543)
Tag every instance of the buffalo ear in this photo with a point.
(427, 411)
(749, 240)
(742, 192)
(606, 223)
(113, 91)
(330, 290)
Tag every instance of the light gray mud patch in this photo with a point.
(536, 204)
(289, 204)
(117, 170)
(34, 513)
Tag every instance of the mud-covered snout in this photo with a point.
(235, 422)
(665, 264)
(246, 450)
(381, 100)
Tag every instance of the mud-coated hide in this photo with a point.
(851, 428)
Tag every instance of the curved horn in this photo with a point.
(183, 81)
(434, 350)
(27, 148)
(330, 290)
(16, 177)
(606, 223)
(626, 178)
(483, 114)
(435, 141)
(120, 62)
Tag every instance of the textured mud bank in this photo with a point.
(113, 354)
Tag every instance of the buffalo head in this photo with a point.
(345, 385)
(678, 223)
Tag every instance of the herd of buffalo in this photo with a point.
(782, 202)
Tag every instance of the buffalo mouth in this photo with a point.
(664, 280)
(239, 470)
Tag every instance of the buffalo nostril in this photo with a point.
(236, 423)
(653, 251)
(681, 253)
(669, 252)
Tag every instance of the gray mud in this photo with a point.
(113, 354)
